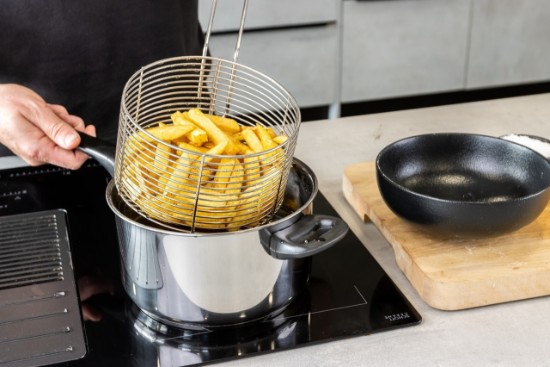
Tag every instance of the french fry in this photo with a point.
(193, 148)
(214, 133)
(197, 137)
(226, 124)
(280, 139)
(161, 164)
(218, 149)
(234, 185)
(270, 132)
(239, 180)
(137, 145)
(224, 172)
(179, 118)
(252, 140)
(178, 178)
(251, 168)
(169, 132)
(240, 148)
(265, 137)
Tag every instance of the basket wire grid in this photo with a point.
(189, 189)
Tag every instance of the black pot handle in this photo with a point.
(308, 236)
(101, 150)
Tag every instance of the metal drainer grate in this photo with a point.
(40, 319)
(30, 252)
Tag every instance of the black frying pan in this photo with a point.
(463, 184)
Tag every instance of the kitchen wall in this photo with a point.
(333, 52)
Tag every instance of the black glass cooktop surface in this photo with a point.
(348, 293)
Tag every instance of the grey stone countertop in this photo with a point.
(510, 334)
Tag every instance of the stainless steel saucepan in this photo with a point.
(226, 278)
(259, 263)
(191, 279)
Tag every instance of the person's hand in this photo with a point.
(40, 132)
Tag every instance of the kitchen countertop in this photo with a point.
(511, 334)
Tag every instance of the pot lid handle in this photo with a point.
(308, 236)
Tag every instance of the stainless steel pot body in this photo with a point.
(215, 279)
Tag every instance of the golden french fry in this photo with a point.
(252, 140)
(161, 165)
(214, 132)
(218, 149)
(209, 199)
(176, 117)
(239, 136)
(223, 173)
(233, 192)
(240, 148)
(178, 176)
(139, 144)
(179, 118)
(235, 182)
(225, 123)
(265, 137)
(197, 137)
(134, 185)
(271, 132)
(169, 132)
(207, 172)
(280, 139)
(267, 143)
(164, 209)
(139, 178)
(162, 157)
(193, 148)
(252, 169)
(250, 211)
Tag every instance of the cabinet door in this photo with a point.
(510, 42)
(303, 60)
(403, 47)
(268, 13)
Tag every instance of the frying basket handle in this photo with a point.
(102, 151)
(211, 22)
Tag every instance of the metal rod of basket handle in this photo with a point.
(209, 28)
(235, 53)
(211, 22)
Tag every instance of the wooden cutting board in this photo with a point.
(452, 273)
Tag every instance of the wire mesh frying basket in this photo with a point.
(228, 182)
(205, 143)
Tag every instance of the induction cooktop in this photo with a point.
(348, 293)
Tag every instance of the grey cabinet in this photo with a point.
(327, 52)
(510, 43)
(269, 13)
(293, 41)
(403, 47)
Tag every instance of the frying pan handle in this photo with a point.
(308, 236)
(101, 150)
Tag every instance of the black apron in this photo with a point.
(81, 53)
